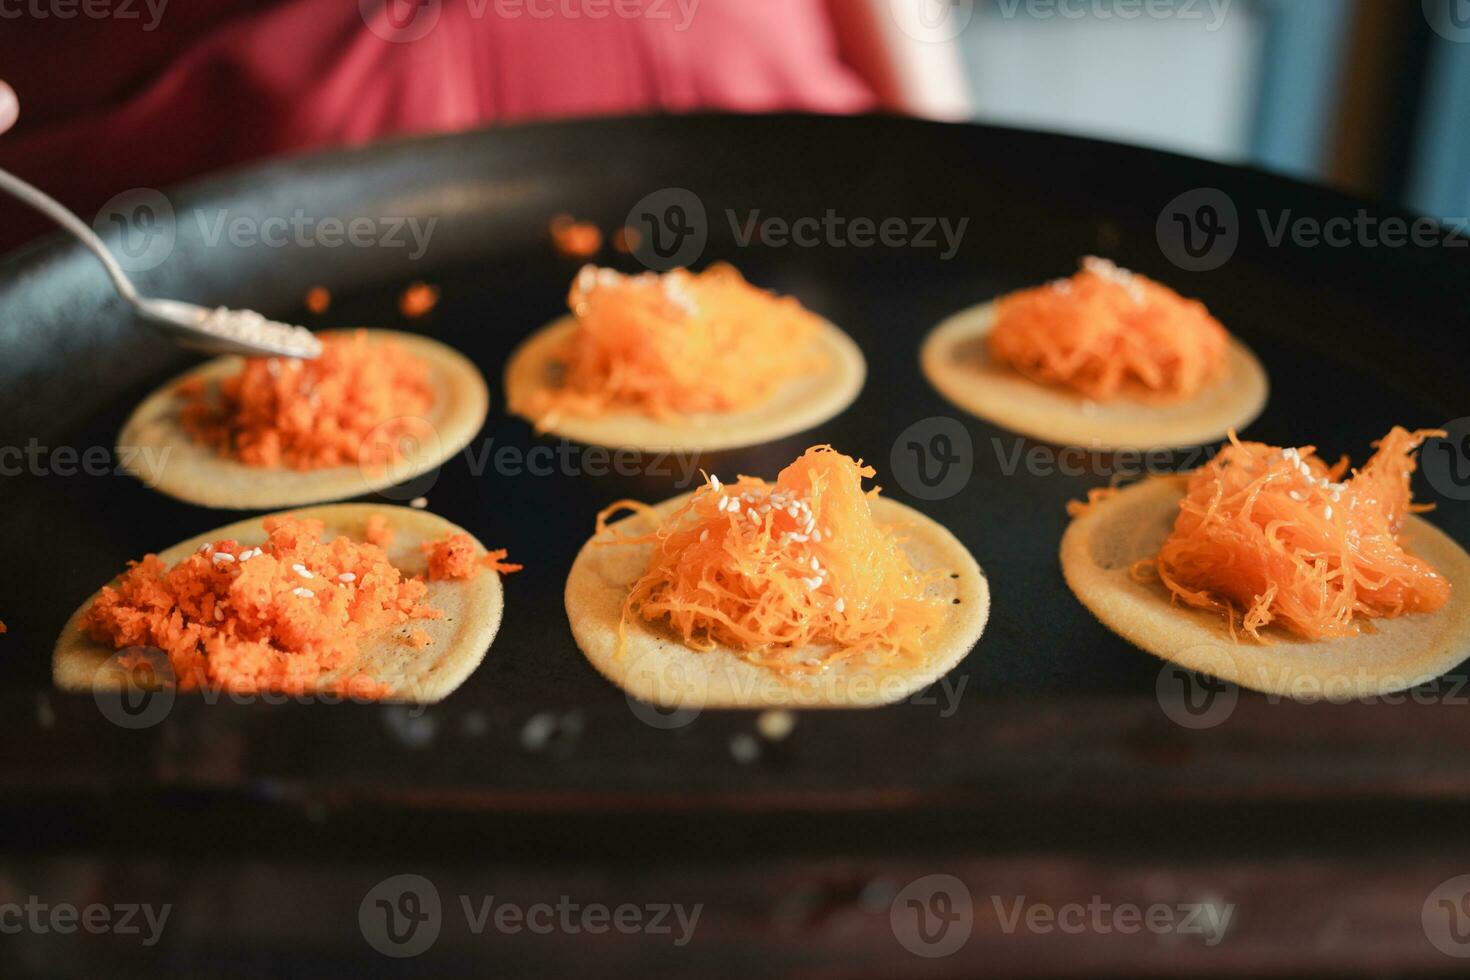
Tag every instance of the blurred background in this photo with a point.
(115, 94)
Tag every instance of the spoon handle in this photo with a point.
(59, 213)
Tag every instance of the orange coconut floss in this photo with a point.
(1107, 332)
(458, 557)
(675, 344)
(355, 404)
(575, 239)
(767, 569)
(278, 617)
(418, 299)
(1273, 535)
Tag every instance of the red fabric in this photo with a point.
(184, 88)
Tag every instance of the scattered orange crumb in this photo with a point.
(419, 639)
(289, 615)
(575, 239)
(378, 532)
(3, 627)
(1107, 331)
(456, 557)
(356, 403)
(627, 240)
(801, 564)
(318, 299)
(674, 344)
(1276, 535)
(418, 299)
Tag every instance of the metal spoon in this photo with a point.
(221, 331)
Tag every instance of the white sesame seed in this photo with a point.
(723, 504)
(302, 570)
(419, 503)
(222, 556)
(841, 605)
(347, 577)
(773, 726)
(1327, 512)
(219, 614)
(204, 547)
(714, 483)
(303, 593)
(704, 535)
(734, 505)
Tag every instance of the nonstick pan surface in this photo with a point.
(1356, 339)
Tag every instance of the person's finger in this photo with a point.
(9, 107)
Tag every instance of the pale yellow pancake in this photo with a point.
(956, 361)
(800, 404)
(155, 448)
(655, 666)
(1100, 547)
(472, 610)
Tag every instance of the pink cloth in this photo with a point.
(109, 105)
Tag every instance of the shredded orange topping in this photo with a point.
(575, 239)
(1107, 332)
(458, 557)
(279, 617)
(1282, 536)
(355, 404)
(675, 344)
(774, 571)
(378, 531)
(318, 299)
(274, 618)
(418, 300)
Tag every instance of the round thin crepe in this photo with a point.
(472, 610)
(956, 360)
(1391, 655)
(155, 448)
(801, 403)
(655, 666)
